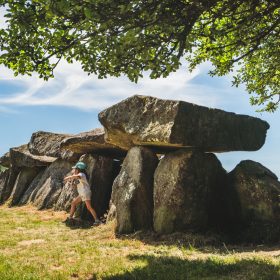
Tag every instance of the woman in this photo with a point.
(83, 189)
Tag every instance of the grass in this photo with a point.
(36, 245)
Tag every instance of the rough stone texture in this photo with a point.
(8, 186)
(30, 192)
(4, 176)
(255, 202)
(5, 160)
(132, 193)
(68, 193)
(188, 191)
(102, 171)
(165, 124)
(50, 184)
(48, 144)
(21, 157)
(91, 142)
(24, 178)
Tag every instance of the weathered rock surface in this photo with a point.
(255, 201)
(24, 179)
(91, 142)
(30, 192)
(10, 181)
(132, 193)
(5, 160)
(21, 157)
(48, 144)
(102, 171)
(144, 120)
(49, 186)
(188, 191)
(4, 176)
(68, 193)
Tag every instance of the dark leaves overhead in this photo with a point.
(130, 37)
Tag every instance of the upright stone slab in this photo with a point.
(188, 191)
(24, 179)
(9, 184)
(91, 142)
(68, 193)
(49, 187)
(254, 200)
(4, 176)
(132, 194)
(168, 124)
(31, 191)
(21, 158)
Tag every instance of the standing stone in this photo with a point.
(4, 176)
(165, 124)
(132, 194)
(255, 202)
(68, 193)
(21, 158)
(50, 185)
(24, 178)
(32, 189)
(187, 186)
(9, 185)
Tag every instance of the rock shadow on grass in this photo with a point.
(154, 267)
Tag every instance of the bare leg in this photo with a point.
(74, 204)
(91, 210)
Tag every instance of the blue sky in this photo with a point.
(70, 103)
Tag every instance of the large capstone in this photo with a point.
(21, 157)
(254, 201)
(91, 142)
(188, 191)
(132, 194)
(48, 144)
(168, 124)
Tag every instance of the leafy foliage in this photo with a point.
(129, 37)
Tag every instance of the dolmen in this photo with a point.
(152, 166)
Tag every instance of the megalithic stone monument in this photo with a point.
(168, 124)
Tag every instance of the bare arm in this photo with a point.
(72, 177)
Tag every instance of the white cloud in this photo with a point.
(74, 88)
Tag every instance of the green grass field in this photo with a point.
(37, 245)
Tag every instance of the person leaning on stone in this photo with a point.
(83, 188)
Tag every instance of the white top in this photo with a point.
(83, 182)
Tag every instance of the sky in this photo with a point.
(70, 103)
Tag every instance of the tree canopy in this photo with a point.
(129, 37)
